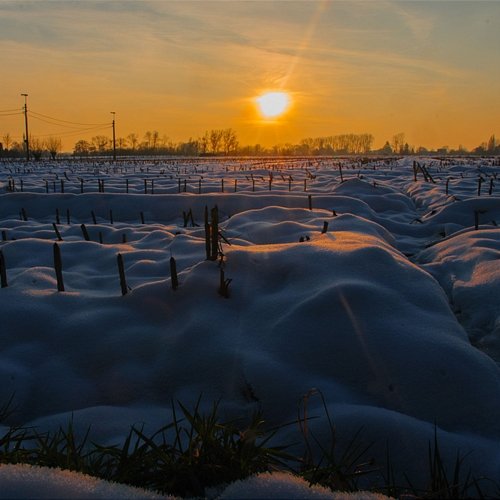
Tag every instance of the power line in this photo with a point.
(9, 110)
(72, 131)
(67, 121)
(61, 125)
(77, 132)
(2, 113)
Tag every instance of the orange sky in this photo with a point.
(429, 69)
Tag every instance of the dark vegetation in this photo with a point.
(197, 451)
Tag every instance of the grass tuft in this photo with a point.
(197, 451)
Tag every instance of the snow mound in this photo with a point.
(26, 481)
(286, 486)
(467, 267)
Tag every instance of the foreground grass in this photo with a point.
(197, 451)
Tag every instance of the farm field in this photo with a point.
(367, 287)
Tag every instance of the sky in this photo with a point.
(430, 69)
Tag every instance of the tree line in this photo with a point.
(219, 142)
(215, 142)
(38, 147)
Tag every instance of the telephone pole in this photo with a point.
(26, 139)
(114, 136)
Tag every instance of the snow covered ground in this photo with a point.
(346, 276)
(25, 481)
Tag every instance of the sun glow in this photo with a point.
(273, 104)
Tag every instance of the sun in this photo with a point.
(273, 104)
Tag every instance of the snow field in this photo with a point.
(378, 312)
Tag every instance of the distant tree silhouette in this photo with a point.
(133, 140)
(386, 149)
(54, 146)
(36, 147)
(398, 141)
(229, 141)
(147, 140)
(155, 135)
(7, 141)
(203, 142)
(215, 139)
(100, 142)
(491, 144)
(82, 148)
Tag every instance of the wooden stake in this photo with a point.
(3, 271)
(121, 271)
(58, 234)
(214, 236)
(58, 268)
(85, 232)
(173, 274)
(207, 235)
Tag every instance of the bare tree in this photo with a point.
(100, 142)
(133, 140)
(7, 141)
(36, 147)
(82, 147)
(215, 139)
(491, 144)
(398, 142)
(154, 139)
(204, 142)
(147, 139)
(53, 145)
(229, 141)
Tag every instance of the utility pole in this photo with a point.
(26, 139)
(114, 136)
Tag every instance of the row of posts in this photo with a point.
(182, 185)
